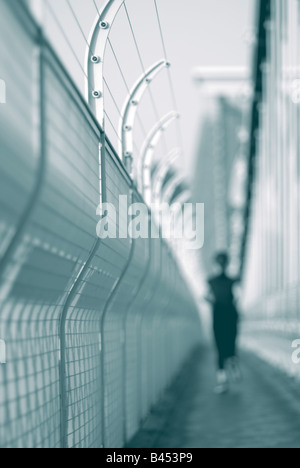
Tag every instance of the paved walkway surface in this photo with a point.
(262, 412)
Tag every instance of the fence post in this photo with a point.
(137, 291)
(112, 295)
(95, 56)
(70, 298)
(127, 118)
(148, 147)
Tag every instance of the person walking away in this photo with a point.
(225, 321)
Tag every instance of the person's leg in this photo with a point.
(234, 338)
(221, 360)
(234, 366)
(222, 380)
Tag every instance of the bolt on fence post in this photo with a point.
(130, 108)
(95, 57)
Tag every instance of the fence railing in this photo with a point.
(93, 330)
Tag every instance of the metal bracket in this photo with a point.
(171, 186)
(161, 171)
(129, 112)
(148, 151)
(184, 197)
(95, 57)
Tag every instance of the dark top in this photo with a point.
(222, 290)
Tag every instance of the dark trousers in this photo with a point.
(225, 333)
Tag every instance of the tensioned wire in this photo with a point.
(77, 21)
(172, 88)
(157, 116)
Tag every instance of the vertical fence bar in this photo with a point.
(139, 287)
(102, 325)
(63, 374)
(68, 302)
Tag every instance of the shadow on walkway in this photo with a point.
(261, 412)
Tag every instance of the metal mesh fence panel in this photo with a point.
(29, 396)
(94, 328)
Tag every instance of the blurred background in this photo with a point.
(71, 361)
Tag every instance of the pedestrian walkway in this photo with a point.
(262, 412)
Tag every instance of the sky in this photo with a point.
(205, 33)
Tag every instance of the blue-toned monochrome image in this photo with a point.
(149, 226)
